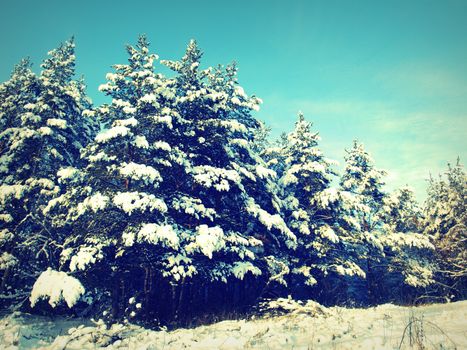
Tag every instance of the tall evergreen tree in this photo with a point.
(446, 221)
(226, 172)
(115, 205)
(15, 93)
(171, 191)
(364, 183)
(45, 124)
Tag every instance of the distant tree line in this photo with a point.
(171, 205)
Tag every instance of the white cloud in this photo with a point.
(423, 80)
(408, 144)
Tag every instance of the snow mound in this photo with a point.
(56, 286)
(281, 306)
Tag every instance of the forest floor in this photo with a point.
(301, 326)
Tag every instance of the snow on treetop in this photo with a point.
(141, 142)
(67, 173)
(416, 240)
(326, 197)
(349, 268)
(59, 123)
(150, 99)
(8, 192)
(7, 260)
(95, 202)
(265, 172)
(126, 122)
(101, 156)
(162, 145)
(240, 91)
(194, 207)
(327, 232)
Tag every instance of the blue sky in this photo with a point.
(391, 73)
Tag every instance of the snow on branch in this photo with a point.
(56, 286)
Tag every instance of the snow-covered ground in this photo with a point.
(305, 326)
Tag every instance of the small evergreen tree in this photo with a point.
(409, 255)
(312, 211)
(446, 221)
(361, 178)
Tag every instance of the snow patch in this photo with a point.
(111, 133)
(241, 268)
(154, 233)
(142, 172)
(131, 201)
(209, 239)
(56, 286)
(141, 142)
(59, 123)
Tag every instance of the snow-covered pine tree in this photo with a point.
(15, 93)
(44, 127)
(398, 257)
(402, 211)
(363, 183)
(171, 192)
(312, 209)
(409, 254)
(115, 205)
(224, 172)
(446, 222)
(360, 177)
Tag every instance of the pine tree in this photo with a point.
(398, 258)
(409, 255)
(171, 192)
(15, 93)
(220, 130)
(44, 127)
(363, 183)
(446, 221)
(402, 211)
(312, 210)
(115, 205)
(226, 172)
(361, 178)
